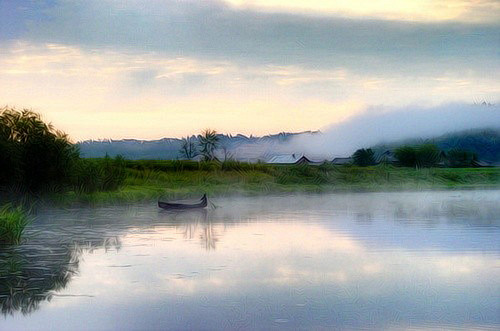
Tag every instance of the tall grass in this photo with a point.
(93, 175)
(147, 180)
(13, 220)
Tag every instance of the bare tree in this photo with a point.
(188, 149)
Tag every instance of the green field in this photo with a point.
(149, 180)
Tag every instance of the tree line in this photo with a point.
(35, 157)
(420, 156)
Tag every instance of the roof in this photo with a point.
(342, 160)
(387, 156)
(482, 163)
(288, 159)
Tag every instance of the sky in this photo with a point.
(152, 69)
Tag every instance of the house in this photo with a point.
(289, 159)
(387, 157)
(482, 163)
(342, 160)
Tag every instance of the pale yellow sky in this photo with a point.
(412, 10)
(108, 69)
(89, 95)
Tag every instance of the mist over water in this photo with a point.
(384, 125)
(353, 261)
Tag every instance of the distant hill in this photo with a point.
(484, 142)
(239, 146)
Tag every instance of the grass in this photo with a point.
(148, 180)
(13, 220)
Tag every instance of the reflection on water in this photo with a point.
(342, 261)
(195, 223)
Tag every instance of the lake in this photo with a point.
(400, 260)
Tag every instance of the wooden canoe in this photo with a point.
(176, 206)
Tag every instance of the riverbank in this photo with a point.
(149, 180)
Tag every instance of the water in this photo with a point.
(339, 261)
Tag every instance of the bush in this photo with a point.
(364, 157)
(423, 156)
(406, 155)
(33, 155)
(428, 155)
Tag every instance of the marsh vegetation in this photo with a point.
(39, 162)
(13, 220)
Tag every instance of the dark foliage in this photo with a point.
(36, 158)
(364, 157)
(94, 175)
(188, 148)
(485, 143)
(33, 155)
(423, 156)
(406, 156)
(428, 155)
(209, 141)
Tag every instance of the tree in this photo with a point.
(426, 156)
(188, 148)
(406, 155)
(208, 144)
(36, 155)
(364, 157)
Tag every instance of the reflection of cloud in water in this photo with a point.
(339, 260)
(314, 263)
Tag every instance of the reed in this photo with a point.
(149, 180)
(13, 220)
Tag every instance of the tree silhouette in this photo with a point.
(423, 156)
(364, 157)
(208, 144)
(188, 148)
(33, 155)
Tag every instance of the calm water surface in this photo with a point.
(421, 260)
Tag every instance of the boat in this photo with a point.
(177, 206)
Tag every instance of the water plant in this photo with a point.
(13, 220)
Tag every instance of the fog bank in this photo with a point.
(384, 125)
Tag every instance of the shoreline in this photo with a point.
(148, 183)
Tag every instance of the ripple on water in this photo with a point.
(343, 261)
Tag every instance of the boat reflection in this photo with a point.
(194, 223)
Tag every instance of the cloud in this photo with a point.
(232, 67)
(384, 125)
(146, 88)
(412, 10)
(218, 31)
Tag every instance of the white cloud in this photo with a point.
(411, 10)
(105, 92)
(386, 124)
